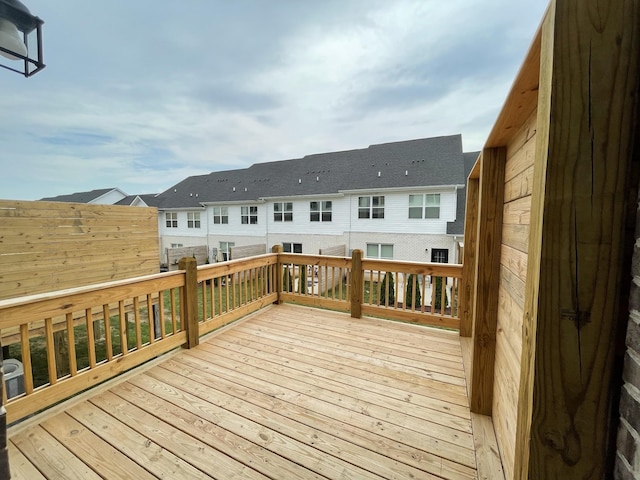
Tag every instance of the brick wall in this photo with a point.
(627, 466)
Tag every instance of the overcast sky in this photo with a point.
(141, 94)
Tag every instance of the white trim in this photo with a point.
(231, 202)
(417, 188)
(182, 209)
(318, 195)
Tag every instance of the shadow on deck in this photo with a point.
(288, 393)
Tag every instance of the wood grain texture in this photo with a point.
(488, 278)
(590, 100)
(516, 236)
(189, 308)
(290, 392)
(488, 458)
(513, 260)
(48, 246)
(469, 265)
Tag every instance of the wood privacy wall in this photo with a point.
(46, 246)
(556, 190)
(246, 251)
(511, 293)
(200, 253)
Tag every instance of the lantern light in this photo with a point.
(16, 24)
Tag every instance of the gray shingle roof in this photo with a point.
(79, 197)
(423, 162)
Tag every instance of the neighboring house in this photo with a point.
(149, 200)
(401, 200)
(457, 228)
(103, 196)
(107, 196)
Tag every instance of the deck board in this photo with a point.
(291, 392)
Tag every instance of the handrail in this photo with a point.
(233, 289)
(329, 282)
(127, 322)
(425, 293)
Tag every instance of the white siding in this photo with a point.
(301, 209)
(109, 198)
(410, 237)
(235, 225)
(182, 230)
(311, 244)
(396, 214)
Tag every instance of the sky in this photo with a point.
(141, 94)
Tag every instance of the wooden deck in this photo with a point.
(289, 393)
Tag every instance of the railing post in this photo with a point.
(467, 293)
(278, 250)
(189, 311)
(357, 286)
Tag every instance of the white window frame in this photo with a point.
(249, 215)
(193, 219)
(425, 206)
(171, 219)
(225, 249)
(220, 215)
(380, 250)
(321, 211)
(283, 212)
(371, 206)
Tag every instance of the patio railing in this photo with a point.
(71, 340)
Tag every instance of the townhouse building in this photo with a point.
(400, 200)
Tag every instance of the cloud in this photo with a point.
(139, 95)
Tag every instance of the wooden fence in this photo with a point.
(47, 246)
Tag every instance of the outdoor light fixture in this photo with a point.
(16, 24)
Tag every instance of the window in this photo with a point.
(371, 207)
(249, 215)
(320, 211)
(172, 219)
(424, 206)
(220, 215)
(380, 250)
(193, 220)
(291, 247)
(283, 212)
(432, 205)
(225, 249)
(440, 255)
(176, 245)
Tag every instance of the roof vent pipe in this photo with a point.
(317, 179)
(234, 189)
(406, 172)
(299, 180)
(379, 173)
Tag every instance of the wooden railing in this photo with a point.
(230, 290)
(425, 293)
(71, 340)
